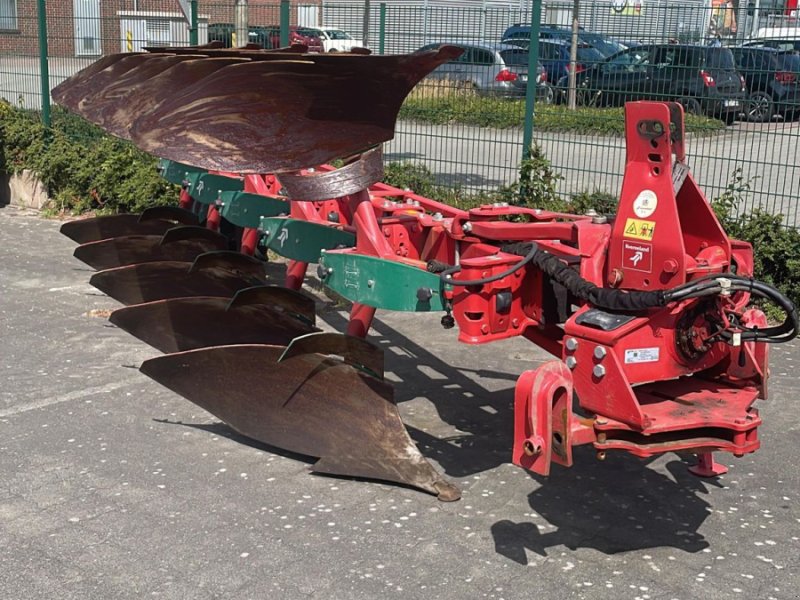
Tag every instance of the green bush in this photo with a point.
(442, 104)
(776, 247)
(81, 167)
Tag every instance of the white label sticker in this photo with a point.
(641, 355)
(645, 204)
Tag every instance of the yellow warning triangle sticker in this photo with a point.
(631, 228)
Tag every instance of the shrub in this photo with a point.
(81, 167)
(776, 247)
(443, 103)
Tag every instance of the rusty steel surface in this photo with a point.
(315, 108)
(132, 249)
(353, 350)
(181, 324)
(349, 179)
(146, 282)
(100, 228)
(291, 302)
(309, 404)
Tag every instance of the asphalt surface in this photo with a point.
(114, 487)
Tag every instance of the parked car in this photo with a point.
(785, 44)
(336, 40)
(555, 55)
(773, 82)
(703, 79)
(223, 32)
(520, 33)
(492, 69)
(297, 35)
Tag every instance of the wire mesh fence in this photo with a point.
(734, 66)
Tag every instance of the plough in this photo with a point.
(647, 312)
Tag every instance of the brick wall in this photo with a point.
(60, 23)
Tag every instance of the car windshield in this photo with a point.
(604, 46)
(337, 34)
(515, 58)
(720, 58)
(790, 61)
(587, 53)
(308, 32)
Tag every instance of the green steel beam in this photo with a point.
(303, 240)
(44, 67)
(285, 13)
(533, 67)
(382, 28)
(193, 37)
(386, 284)
(246, 210)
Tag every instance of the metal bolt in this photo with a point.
(388, 204)
(416, 202)
(572, 344)
(467, 227)
(571, 362)
(437, 216)
(600, 353)
(370, 282)
(333, 216)
(591, 213)
(599, 371)
(600, 220)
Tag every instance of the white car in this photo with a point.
(337, 40)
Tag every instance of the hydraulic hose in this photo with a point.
(621, 300)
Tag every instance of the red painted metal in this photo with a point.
(650, 384)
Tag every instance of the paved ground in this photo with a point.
(114, 487)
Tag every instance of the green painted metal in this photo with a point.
(176, 172)
(193, 29)
(44, 67)
(303, 240)
(382, 29)
(381, 283)
(285, 6)
(530, 92)
(246, 210)
(206, 188)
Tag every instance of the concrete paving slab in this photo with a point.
(114, 487)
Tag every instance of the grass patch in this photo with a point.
(443, 103)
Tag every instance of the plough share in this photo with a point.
(648, 313)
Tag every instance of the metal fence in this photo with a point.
(466, 122)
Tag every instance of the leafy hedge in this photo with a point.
(82, 168)
(441, 103)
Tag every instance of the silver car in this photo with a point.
(500, 69)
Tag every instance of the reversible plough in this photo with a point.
(648, 312)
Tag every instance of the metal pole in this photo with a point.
(365, 28)
(382, 29)
(573, 55)
(241, 18)
(44, 67)
(284, 23)
(533, 69)
(193, 37)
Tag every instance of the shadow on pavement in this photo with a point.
(616, 506)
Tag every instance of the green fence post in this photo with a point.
(533, 68)
(44, 67)
(382, 28)
(193, 37)
(284, 23)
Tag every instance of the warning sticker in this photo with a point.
(639, 229)
(637, 256)
(641, 355)
(645, 204)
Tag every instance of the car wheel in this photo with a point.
(759, 107)
(691, 105)
(545, 94)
